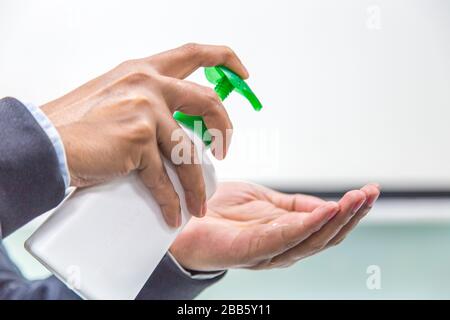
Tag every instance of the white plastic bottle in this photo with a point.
(105, 241)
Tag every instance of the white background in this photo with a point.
(352, 90)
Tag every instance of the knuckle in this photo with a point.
(139, 101)
(173, 201)
(216, 112)
(191, 47)
(142, 131)
(183, 88)
(126, 65)
(143, 103)
(136, 78)
(161, 180)
(135, 69)
(129, 66)
(211, 96)
(228, 52)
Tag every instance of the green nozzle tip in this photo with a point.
(225, 82)
(223, 77)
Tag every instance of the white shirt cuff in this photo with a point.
(200, 275)
(54, 137)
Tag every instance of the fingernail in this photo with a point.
(173, 222)
(247, 73)
(178, 221)
(192, 204)
(204, 208)
(377, 185)
(218, 153)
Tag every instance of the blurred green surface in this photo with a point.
(414, 260)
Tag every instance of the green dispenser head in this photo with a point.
(225, 82)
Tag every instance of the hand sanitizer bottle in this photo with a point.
(105, 241)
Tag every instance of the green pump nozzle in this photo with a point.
(225, 82)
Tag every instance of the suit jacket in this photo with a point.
(31, 184)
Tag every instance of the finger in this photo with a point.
(372, 192)
(194, 99)
(293, 202)
(182, 61)
(154, 176)
(176, 146)
(349, 205)
(267, 241)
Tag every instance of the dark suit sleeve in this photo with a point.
(167, 282)
(14, 286)
(31, 184)
(30, 181)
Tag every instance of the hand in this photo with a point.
(250, 226)
(122, 121)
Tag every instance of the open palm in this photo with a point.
(250, 226)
